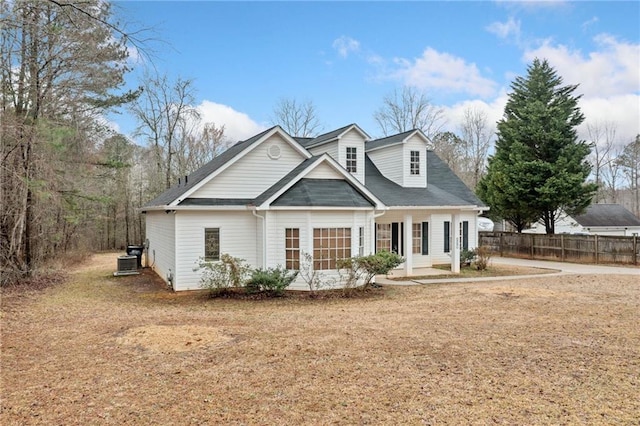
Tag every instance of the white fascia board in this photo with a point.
(337, 167)
(241, 154)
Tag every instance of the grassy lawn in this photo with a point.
(105, 350)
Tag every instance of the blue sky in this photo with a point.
(346, 56)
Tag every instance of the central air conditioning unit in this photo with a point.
(127, 265)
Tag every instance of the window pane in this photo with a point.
(330, 245)
(212, 244)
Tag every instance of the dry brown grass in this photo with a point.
(105, 350)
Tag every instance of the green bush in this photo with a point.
(220, 276)
(466, 257)
(271, 280)
(380, 263)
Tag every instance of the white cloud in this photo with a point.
(504, 30)
(608, 78)
(238, 125)
(346, 45)
(590, 22)
(494, 110)
(444, 72)
(621, 110)
(611, 70)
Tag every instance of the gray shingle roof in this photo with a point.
(327, 137)
(389, 140)
(173, 193)
(444, 188)
(322, 193)
(607, 215)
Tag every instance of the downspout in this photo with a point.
(264, 238)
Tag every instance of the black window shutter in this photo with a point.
(425, 237)
(447, 236)
(465, 235)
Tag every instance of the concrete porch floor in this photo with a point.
(417, 272)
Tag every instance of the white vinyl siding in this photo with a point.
(324, 171)
(330, 148)
(237, 238)
(253, 173)
(160, 229)
(389, 162)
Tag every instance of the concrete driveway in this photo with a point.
(560, 268)
(568, 268)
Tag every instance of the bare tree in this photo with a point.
(407, 109)
(477, 135)
(602, 138)
(450, 148)
(161, 113)
(297, 118)
(630, 162)
(611, 175)
(198, 144)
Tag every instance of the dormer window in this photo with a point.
(414, 164)
(352, 159)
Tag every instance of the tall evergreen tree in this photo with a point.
(540, 167)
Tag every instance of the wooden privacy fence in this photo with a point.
(564, 247)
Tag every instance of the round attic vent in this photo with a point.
(274, 152)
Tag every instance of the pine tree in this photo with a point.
(540, 167)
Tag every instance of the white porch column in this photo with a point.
(408, 245)
(455, 243)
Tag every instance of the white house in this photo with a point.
(272, 197)
(598, 219)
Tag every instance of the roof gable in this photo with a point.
(194, 181)
(305, 168)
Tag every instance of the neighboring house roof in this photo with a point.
(322, 193)
(444, 188)
(392, 140)
(331, 136)
(607, 215)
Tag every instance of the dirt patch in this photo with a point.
(173, 338)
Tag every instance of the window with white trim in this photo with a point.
(211, 244)
(352, 159)
(417, 238)
(330, 245)
(414, 164)
(361, 241)
(383, 237)
(292, 248)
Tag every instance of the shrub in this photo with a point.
(380, 263)
(483, 255)
(220, 276)
(271, 281)
(466, 257)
